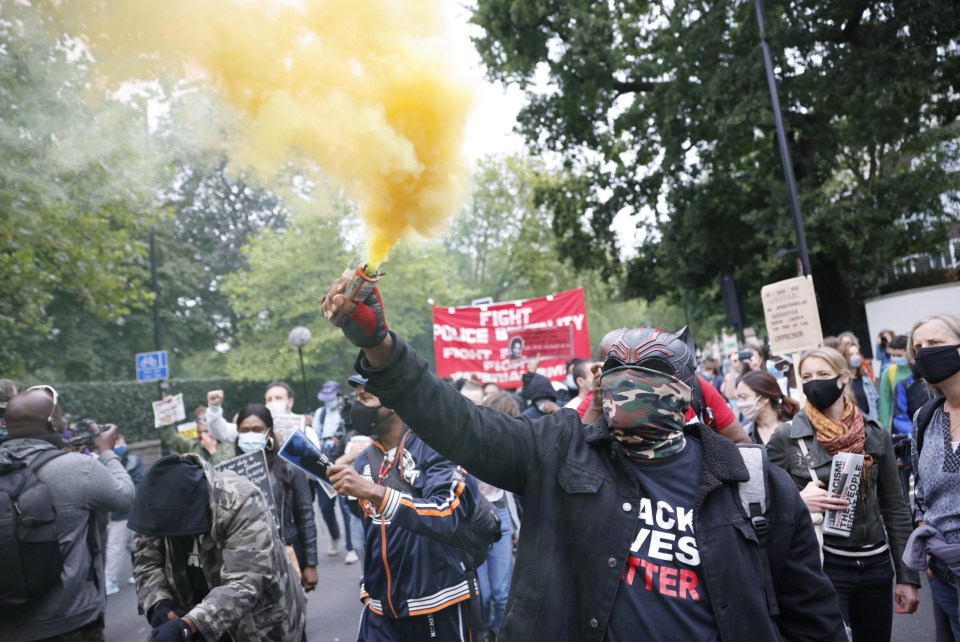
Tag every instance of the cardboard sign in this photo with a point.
(188, 430)
(168, 412)
(497, 342)
(253, 467)
(793, 321)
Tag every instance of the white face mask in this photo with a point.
(750, 409)
(856, 361)
(277, 408)
(248, 442)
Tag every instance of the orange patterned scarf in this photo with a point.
(848, 435)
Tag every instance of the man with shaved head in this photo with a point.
(83, 490)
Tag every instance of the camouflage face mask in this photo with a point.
(645, 410)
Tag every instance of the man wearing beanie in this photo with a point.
(208, 562)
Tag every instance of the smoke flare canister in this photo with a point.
(360, 285)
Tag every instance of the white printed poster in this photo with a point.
(168, 411)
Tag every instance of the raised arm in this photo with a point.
(500, 450)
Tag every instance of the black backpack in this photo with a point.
(473, 536)
(29, 550)
(699, 403)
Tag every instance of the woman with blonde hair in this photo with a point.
(859, 565)
(934, 345)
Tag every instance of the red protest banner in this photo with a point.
(497, 342)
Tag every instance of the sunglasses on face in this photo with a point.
(56, 399)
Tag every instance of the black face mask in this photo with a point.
(938, 363)
(822, 393)
(365, 419)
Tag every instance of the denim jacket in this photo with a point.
(581, 508)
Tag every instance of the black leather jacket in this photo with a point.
(295, 508)
(881, 515)
(581, 506)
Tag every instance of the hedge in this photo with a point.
(128, 404)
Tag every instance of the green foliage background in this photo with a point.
(663, 110)
(128, 404)
(657, 109)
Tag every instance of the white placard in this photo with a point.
(793, 321)
(168, 412)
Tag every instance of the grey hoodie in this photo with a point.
(84, 490)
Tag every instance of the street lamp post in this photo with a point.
(299, 337)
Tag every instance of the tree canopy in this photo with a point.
(90, 172)
(662, 108)
(72, 191)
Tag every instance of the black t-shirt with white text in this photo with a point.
(661, 594)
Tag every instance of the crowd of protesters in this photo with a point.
(625, 498)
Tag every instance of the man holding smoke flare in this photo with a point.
(617, 542)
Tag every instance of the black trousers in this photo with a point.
(865, 588)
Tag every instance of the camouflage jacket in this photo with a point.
(254, 592)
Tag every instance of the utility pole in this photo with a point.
(782, 139)
(155, 286)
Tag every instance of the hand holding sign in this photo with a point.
(168, 411)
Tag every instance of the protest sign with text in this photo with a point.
(498, 342)
(793, 321)
(252, 467)
(168, 411)
(285, 425)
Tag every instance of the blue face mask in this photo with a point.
(900, 361)
(121, 450)
(249, 442)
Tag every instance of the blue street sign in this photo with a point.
(152, 366)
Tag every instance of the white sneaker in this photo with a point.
(333, 549)
(112, 588)
(131, 580)
(351, 558)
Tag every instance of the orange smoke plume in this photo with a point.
(366, 89)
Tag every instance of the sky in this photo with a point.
(492, 123)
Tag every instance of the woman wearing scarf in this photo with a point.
(859, 565)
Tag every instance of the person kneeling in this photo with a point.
(208, 563)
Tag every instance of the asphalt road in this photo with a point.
(333, 610)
